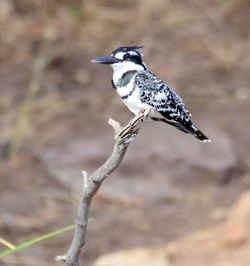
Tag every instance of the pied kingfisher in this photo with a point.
(140, 89)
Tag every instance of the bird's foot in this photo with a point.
(145, 112)
(131, 126)
(124, 134)
(129, 132)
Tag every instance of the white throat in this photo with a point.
(121, 68)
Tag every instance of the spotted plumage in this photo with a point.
(139, 89)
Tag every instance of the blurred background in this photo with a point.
(174, 200)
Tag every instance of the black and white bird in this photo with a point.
(140, 89)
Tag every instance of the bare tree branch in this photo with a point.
(123, 137)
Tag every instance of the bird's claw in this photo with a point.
(145, 112)
(128, 130)
(131, 127)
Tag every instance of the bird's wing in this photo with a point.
(161, 97)
(157, 94)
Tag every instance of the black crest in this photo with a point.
(126, 49)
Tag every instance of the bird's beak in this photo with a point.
(106, 60)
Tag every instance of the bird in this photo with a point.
(140, 89)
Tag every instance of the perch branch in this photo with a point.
(123, 137)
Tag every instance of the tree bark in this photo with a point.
(123, 137)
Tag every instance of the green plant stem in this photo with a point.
(36, 240)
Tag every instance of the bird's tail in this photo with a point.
(199, 135)
(188, 128)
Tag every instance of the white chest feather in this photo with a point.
(129, 94)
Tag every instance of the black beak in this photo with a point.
(106, 60)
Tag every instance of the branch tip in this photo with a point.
(116, 126)
(85, 179)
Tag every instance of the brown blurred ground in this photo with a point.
(54, 107)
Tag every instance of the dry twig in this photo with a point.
(123, 137)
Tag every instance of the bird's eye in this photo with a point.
(126, 56)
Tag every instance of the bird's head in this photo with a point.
(124, 59)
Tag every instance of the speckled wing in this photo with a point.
(157, 94)
(172, 110)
